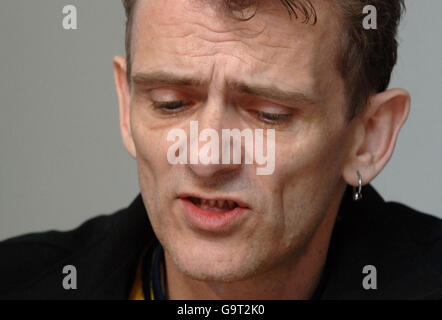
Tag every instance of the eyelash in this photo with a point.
(272, 118)
(172, 106)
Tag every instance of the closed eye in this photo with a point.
(170, 106)
(273, 118)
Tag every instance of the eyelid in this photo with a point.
(272, 108)
(165, 94)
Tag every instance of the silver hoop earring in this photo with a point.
(357, 194)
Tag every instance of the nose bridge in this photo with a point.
(207, 162)
(212, 114)
(216, 113)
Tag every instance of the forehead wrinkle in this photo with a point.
(291, 42)
(220, 27)
(227, 34)
(234, 47)
(172, 15)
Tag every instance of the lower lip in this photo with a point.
(211, 221)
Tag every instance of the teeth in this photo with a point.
(222, 204)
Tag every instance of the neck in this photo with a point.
(295, 278)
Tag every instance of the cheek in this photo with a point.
(307, 173)
(310, 155)
(154, 172)
(150, 142)
(152, 164)
(296, 160)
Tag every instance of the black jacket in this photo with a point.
(404, 245)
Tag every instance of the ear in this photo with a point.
(375, 135)
(123, 93)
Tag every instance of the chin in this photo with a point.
(219, 267)
(220, 273)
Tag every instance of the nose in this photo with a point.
(210, 148)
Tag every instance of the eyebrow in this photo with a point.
(273, 93)
(162, 77)
(269, 92)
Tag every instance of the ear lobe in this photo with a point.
(379, 126)
(123, 93)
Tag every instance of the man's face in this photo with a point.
(283, 210)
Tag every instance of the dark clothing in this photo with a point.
(404, 245)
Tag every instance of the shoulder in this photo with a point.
(30, 256)
(423, 230)
(423, 227)
(395, 221)
(403, 244)
(416, 239)
(61, 240)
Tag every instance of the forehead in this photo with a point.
(190, 36)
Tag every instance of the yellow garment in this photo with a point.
(136, 292)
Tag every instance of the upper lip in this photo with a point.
(240, 202)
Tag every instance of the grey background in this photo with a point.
(61, 156)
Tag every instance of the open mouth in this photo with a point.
(218, 206)
(219, 214)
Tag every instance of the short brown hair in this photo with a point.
(367, 58)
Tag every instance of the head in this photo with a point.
(319, 80)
